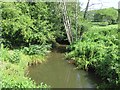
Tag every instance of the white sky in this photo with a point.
(99, 4)
(105, 4)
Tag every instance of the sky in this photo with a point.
(99, 4)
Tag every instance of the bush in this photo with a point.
(99, 50)
(36, 49)
(109, 15)
(12, 70)
(9, 55)
(14, 57)
(23, 24)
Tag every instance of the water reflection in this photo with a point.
(59, 74)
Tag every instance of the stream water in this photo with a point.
(57, 73)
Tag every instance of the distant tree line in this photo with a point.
(109, 15)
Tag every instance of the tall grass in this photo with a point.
(14, 63)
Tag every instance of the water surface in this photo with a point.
(57, 73)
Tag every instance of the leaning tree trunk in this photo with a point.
(76, 19)
(66, 21)
(86, 9)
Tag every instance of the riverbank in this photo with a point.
(99, 51)
(58, 73)
(13, 65)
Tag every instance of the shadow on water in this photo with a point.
(57, 73)
(60, 49)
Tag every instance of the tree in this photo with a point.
(86, 9)
(109, 15)
(67, 23)
(26, 23)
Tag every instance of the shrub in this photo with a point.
(25, 23)
(99, 50)
(14, 57)
(9, 55)
(36, 49)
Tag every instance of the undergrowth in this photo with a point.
(13, 64)
(99, 50)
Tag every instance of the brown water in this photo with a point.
(57, 73)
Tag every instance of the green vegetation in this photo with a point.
(106, 16)
(98, 50)
(36, 49)
(26, 35)
(24, 24)
(31, 29)
(12, 69)
(109, 15)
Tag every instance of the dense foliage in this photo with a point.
(12, 70)
(25, 24)
(107, 15)
(29, 30)
(98, 50)
(27, 27)
(36, 49)
(38, 23)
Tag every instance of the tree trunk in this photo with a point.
(76, 21)
(66, 22)
(86, 9)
